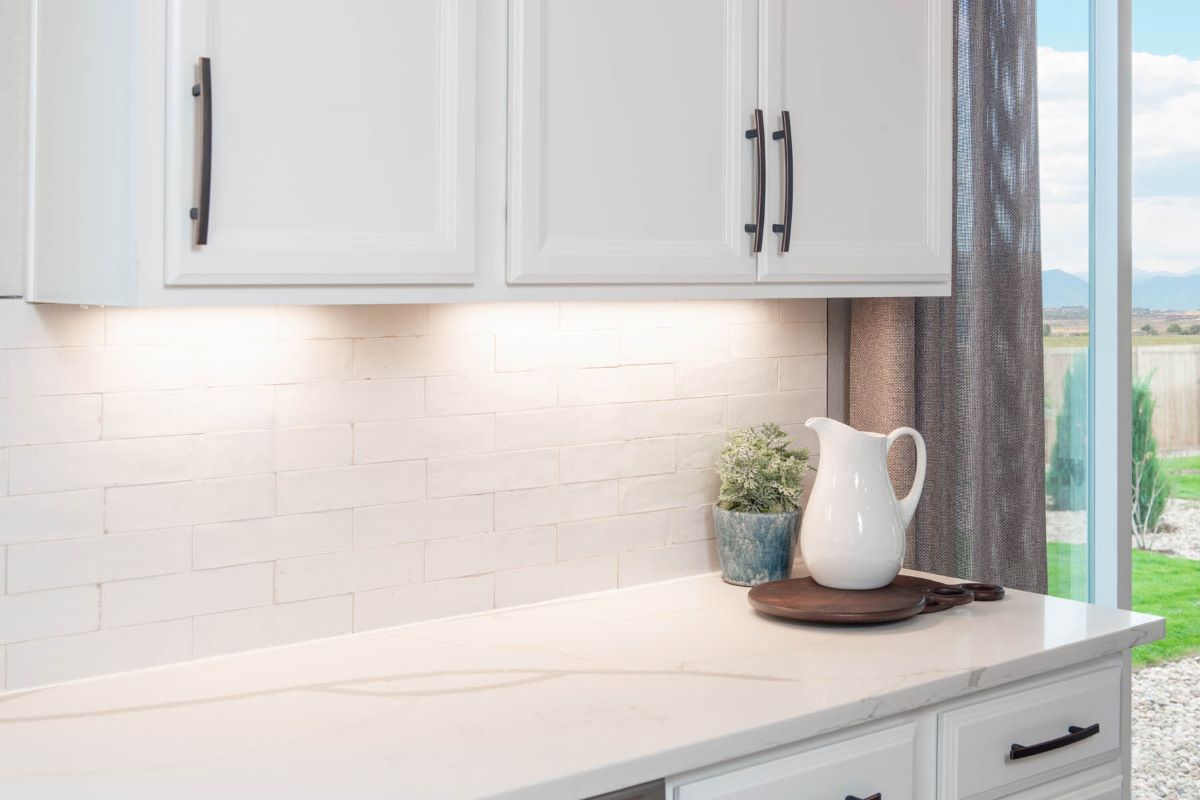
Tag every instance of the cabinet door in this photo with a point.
(628, 160)
(342, 141)
(868, 87)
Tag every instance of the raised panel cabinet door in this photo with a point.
(868, 89)
(628, 156)
(342, 140)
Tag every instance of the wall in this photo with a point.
(177, 484)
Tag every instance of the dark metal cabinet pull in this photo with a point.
(759, 134)
(785, 228)
(1074, 734)
(203, 90)
(876, 796)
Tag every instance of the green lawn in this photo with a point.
(1185, 476)
(1164, 585)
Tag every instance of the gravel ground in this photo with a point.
(1180, 528)
(1166, 729)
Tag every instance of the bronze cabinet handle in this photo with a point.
(1074, 734)
(758, 134)
(876, 796)
(203, 90)
(784, 229)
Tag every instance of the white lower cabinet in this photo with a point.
(1055, 737)
(880, 763)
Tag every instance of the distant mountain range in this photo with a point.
(1157, 291)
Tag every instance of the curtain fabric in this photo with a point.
(966, 370)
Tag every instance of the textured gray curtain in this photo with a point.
(966, 370)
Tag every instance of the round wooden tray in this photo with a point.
(907, 596)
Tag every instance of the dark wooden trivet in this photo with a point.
(907, 596)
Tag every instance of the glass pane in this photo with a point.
(1166, 389)
(1063, 36)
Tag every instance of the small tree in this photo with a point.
(1045, 329)
(1066, 479)
(1192, 330)
(1174, 327)
(1150, 485)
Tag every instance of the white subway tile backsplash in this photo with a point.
(348, 401)
(435, 437)
(527, 508)
(271, 538)
(98, 653)
(41, 615)
(83, 370)
(177, 483)
(269, 626)
(611, 423)
(491, 317)
(782, 408)
(349, 322)
(423, 355)
(45, 420)
(97, 559)
(348, 487)
(223, 455)
(142, 414)
(712, 378)
(782, 339)
(313, 448)
(494, 391)
(664, 563)
(488, 552)
(516, 351)
(166, 505)
(597, 462)
(692, 523)
(802, 310)
(669, 491)
(593, 387)
(348, 571)
(552, 581)
(45, 517)
(255, 363)
(492, 472)
(803, 372)
(188, 325)
(595, 537)
(86, 465)
(400, 605)
(184, 594)
(422, 520)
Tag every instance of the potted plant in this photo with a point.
(758, 512)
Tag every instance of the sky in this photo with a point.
(1166, 134)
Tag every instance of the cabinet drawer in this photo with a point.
(1029, 736)
(876, 763)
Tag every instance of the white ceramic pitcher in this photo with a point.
(852, 532)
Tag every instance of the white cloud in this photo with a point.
(1166, 160)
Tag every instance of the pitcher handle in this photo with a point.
(908, 506)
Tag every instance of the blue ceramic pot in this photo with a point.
(755, 548)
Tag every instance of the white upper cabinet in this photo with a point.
(628, 161)
(342, 141)
(867, 87)
(217, 152)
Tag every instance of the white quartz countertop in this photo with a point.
(559, 700)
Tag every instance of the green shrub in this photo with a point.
(1066, 478)
(759, 473)
(1151, 488)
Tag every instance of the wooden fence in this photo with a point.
(1174, 382)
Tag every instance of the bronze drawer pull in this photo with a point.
(203, 90)
(876, 796)
(758, 133)
(1074, 734)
